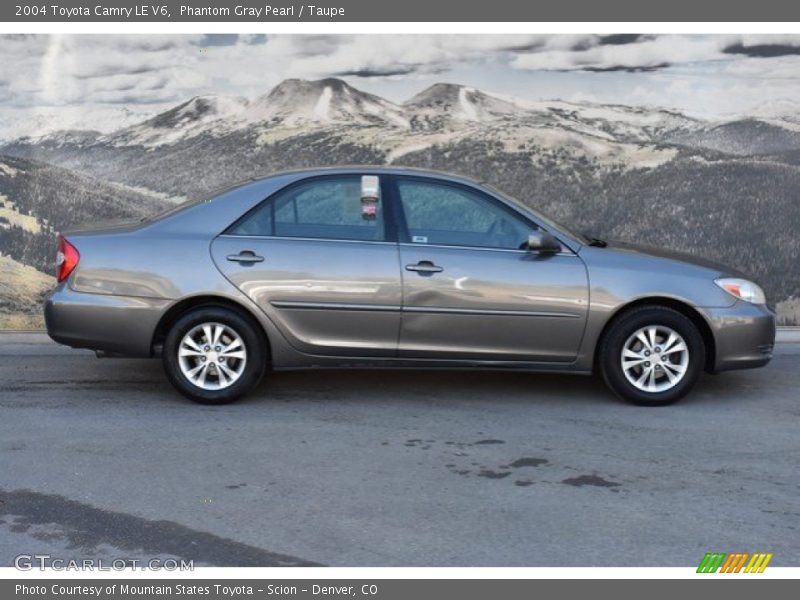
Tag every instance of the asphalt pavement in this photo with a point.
(101, 458)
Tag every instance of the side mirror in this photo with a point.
(543, 241)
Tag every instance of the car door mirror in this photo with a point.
(543, 241)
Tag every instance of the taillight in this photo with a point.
(66, 259)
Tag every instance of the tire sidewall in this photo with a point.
(620, 332)
(253, 342)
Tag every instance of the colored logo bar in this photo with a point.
(736, 562)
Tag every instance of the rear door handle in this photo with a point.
(245, 256)
(424, 266)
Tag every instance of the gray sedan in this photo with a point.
(382, 267)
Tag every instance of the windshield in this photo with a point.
(539, 216)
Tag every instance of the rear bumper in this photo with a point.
(117, 324)
(744, 335)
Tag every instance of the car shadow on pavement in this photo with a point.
(429, 386)
(120, 381)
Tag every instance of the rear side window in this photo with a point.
(330, 208)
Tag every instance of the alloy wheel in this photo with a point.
(212, 356)
(655, 358)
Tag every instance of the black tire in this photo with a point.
(628, 323)
(246, 328)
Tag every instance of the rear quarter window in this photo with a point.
(329, 208)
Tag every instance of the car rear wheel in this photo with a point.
(652, 356)
(213, 355)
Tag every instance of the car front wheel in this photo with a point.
(213, 355)
(652, 356)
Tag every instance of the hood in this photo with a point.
(682, 257)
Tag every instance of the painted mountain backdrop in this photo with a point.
(724, 190)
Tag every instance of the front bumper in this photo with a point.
(117, 324)
(744, 335)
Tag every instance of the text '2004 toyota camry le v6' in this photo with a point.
(384, 267)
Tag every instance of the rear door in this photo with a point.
(323, 263)
(471, 290)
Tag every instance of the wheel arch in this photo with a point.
(686, 309)
(186, 304)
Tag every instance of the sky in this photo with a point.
(104, 81)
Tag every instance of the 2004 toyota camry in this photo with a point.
(385, 267)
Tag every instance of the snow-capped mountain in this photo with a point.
(326, 101)
(200, 115)
(372, 128)
(445, 104)
(293, 103)
(331, 103)
(618, 122)
(442, 107)
(447, 108)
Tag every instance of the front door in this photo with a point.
(318, 261)
(471, 290)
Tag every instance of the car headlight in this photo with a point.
(742, 289)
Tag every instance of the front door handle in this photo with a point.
(424, 267)
(245, 257)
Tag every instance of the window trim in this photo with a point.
(565, 251)
(250, 236)
(404, 237)
(389, 223)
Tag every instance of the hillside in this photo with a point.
(38, 200)
(726, 190)
(22, 290)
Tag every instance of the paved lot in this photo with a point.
(100, 458)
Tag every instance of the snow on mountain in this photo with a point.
(447, 103)
(201, 114)
(442, 112)
(327, 101)
(35, 123)
(293, 103)
(628, 123)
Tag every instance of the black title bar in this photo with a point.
(397, 11)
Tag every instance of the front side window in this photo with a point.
(330, 208)
(438, 213)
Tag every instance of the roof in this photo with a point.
(346, 169)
